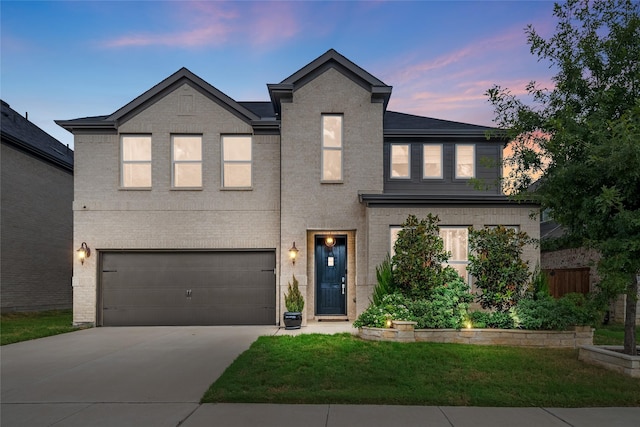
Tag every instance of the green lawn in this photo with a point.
(16, 327)
(612, 334)
(344, 369)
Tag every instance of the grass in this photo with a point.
(344, 369)
(16, 327)
(612, 334)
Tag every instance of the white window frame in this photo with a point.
(236, 162)
(473, 160)
(175, 162)
(326, 149)
(124, 162)
(424, 161)
(408, 175)
(457, 262)
(393, 236)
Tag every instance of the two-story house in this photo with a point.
(36, 220)
(199, 209)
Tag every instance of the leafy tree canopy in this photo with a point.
(583, 136)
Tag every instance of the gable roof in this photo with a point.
(380, 92)
(177, 79)
(21, 133)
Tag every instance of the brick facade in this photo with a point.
(288, 201)
(37, 230)
(583, 257)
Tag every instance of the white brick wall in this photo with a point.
(107, 217)
(381, 219)
(309, 205)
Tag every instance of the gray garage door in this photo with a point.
(187, 288)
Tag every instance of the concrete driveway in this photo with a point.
(144, 376)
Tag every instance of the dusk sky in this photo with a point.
(71, 59)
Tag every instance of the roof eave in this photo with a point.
(464, 133)
(385, 199)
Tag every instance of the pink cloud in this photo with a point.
(215, 23)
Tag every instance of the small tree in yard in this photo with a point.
(496, 264)
(419, 255)
(582, 136)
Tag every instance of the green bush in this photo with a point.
(293, 299)
(496, 264)
(384, 286)
(547, 313)
(419, 257)
(494, 319)
(446, 307)
(392, 307)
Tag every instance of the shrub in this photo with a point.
(293, 299)
(446, 307)
(392, 307)
(493, 319)
(384, 286)
(419, 256)
(496, 264)
(547, 313)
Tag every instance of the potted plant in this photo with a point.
(294, 301)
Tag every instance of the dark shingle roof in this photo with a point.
(407, 124)
(20, 132)
(262, 109)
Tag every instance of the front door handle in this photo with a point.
(343, 285)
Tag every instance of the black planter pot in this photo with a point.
(292, 320)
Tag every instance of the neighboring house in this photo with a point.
(37, 219)
(574, 269)
(190, 201)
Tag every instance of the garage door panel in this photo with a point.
(188, 288)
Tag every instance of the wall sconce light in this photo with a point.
(83, 252)
(293, 253)
(330, 242)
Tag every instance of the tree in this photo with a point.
(419, 257)
(496, 264)
(582, 136)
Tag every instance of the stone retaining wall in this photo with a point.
(405, 332)
(610, 357)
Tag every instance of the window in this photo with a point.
(432, 161)
(332, 147)
(236, 161)
(465, 164)
(136, 161)
(393, 236)
(456, 241)
(186, 155)
(400, 161)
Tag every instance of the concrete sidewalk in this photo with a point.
(155, 376)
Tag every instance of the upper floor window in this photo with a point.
(136, 161)
(236, 161)
(332, 147)
(432, 161)
(186, 156)
(400, 161)
(465, 161)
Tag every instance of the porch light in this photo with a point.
(330, 241)
(293, 253)
(83, 252)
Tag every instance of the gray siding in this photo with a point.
(488, 155)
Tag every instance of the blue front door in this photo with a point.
(331, 275)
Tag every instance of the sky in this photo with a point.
(72, 59)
